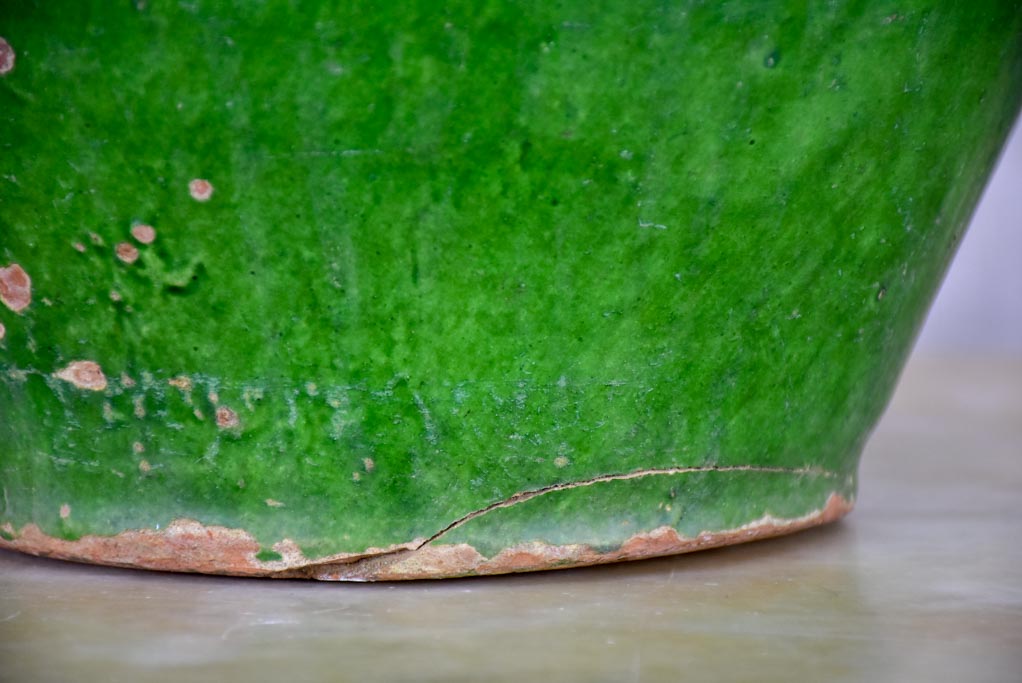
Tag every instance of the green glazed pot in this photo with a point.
(353, 290)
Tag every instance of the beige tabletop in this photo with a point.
(923, 582)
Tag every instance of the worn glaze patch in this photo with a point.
(189, 546)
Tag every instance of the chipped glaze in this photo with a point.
(189, 546)
(201, 190)
(84, 374)
(144, 234)
(227, 418)
(7, 57)
(126, 252)
(15, 287)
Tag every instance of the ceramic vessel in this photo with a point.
(402, 290)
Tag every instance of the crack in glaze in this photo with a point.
(523, 496)
(189, 546)
(374, 562)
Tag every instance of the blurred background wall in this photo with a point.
(979, 307)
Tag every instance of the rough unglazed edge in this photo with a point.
(189, 546)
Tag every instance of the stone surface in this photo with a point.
(465, 259)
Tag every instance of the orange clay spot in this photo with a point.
(226, 418)
(201, 190)
(126, 252)
(84, 374)
(143, 233)
(6, 57)
(15, 287)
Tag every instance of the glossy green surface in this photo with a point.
(456, 252)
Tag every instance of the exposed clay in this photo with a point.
(451, 560)
(182, 382)
(184, 545)
(200, 189)
(227, 418)
(79, 247)
(188, 546)
(3, 331)
(7, 57)
(126, 252)
(65, 511)
(143, 233)
(15, 288)
(84, 374)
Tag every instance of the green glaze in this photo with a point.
(460, 251)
